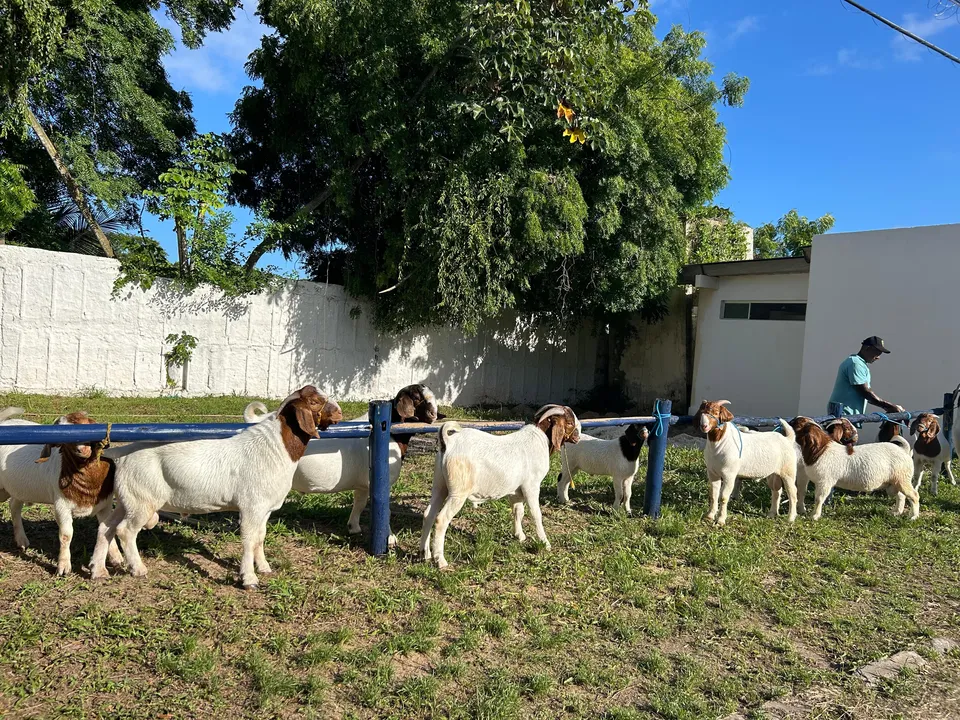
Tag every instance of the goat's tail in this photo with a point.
(10, 412)
(788, 432)
(255, 412)
(901, 442)
(447, 429)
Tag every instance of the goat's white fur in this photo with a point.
(598, 457)
(24, 481)
(477, 466)
(250, 472)
(765, 455)
(341, 465)
(873, 466)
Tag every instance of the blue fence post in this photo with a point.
(380, 412)
(656, 454)
(948, 421)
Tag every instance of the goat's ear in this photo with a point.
(44, 454)
(441, 416)
(405, 407)
(305, 419)
(725, 414)
(558, 431)
(936, 427)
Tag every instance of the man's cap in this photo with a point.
(876, 343)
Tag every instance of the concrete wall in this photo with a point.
(60, 331)
(898, 284)
(654, 363)
(756, 364)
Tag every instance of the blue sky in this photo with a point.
(843, 115)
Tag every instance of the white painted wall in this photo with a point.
(756, 364)
(61, 332)
(899, 284)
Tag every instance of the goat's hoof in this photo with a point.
(265, 570)
(353, 531)
(251, 587)
(22, 543)
(138, 571)
(63, 570)
(721, 522)
(521, 538)
(442, 563)
(392, 542)
(100, 574)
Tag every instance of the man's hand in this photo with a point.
(897, 408)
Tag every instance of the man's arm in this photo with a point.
(875, 399)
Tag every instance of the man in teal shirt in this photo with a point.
(852, 388)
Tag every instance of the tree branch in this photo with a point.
(76, 192)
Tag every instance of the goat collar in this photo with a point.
(720, 424)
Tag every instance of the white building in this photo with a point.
(770, 334)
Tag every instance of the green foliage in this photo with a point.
(483, 155)
(181, 350)
(715, 236)
(193, 195)
(16, 198)
(789, 236)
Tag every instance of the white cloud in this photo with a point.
(216, 66)
(847, 58)
(907, 50)
(741, 27)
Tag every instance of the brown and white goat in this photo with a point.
(930, 449)
(76, 481)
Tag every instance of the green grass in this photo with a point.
(625, 618)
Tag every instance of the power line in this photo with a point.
(903, 31)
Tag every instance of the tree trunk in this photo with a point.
(182, 255)
(76, 193)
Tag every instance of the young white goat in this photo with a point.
(730, 453)
(76, 481)
(250, 472)
(476, 466)
(873, 466)
(343, 465)
(930, 449)
(618, 458)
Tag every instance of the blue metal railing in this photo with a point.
(378, 429)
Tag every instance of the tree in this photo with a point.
(714, 236)
(86, 79)
(789, 236)
(16, 198)
(461, 158)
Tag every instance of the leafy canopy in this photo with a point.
(453, 159)
(789, 235)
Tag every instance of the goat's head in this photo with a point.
(843, 432)
(888, 431)
(926, 426)
(416, 403)
(559, 423)
(800, 422)
(812, 439)
(310, 410)
(712, 414)
(71, 453)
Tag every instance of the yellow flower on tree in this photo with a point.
(565, 112)
(575, 135)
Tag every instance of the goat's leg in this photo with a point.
(934, 478)
(518, 517)
(360, 497)
(776, 487)
(917, 476)
(65, 524)
(820, 494)
(627, 492)
(737, 489)
(127, 530)
(914, 497)
(114, 557)
(949, 470)
(802, 482)
(532, 494)
(726, 488)
(251, 523)
(617, 493)
(789, 481)
(16, 514)
(564, 479)
(437, 498)
(714, 480)
(259, 558)
(449, 510)
(105, 535)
